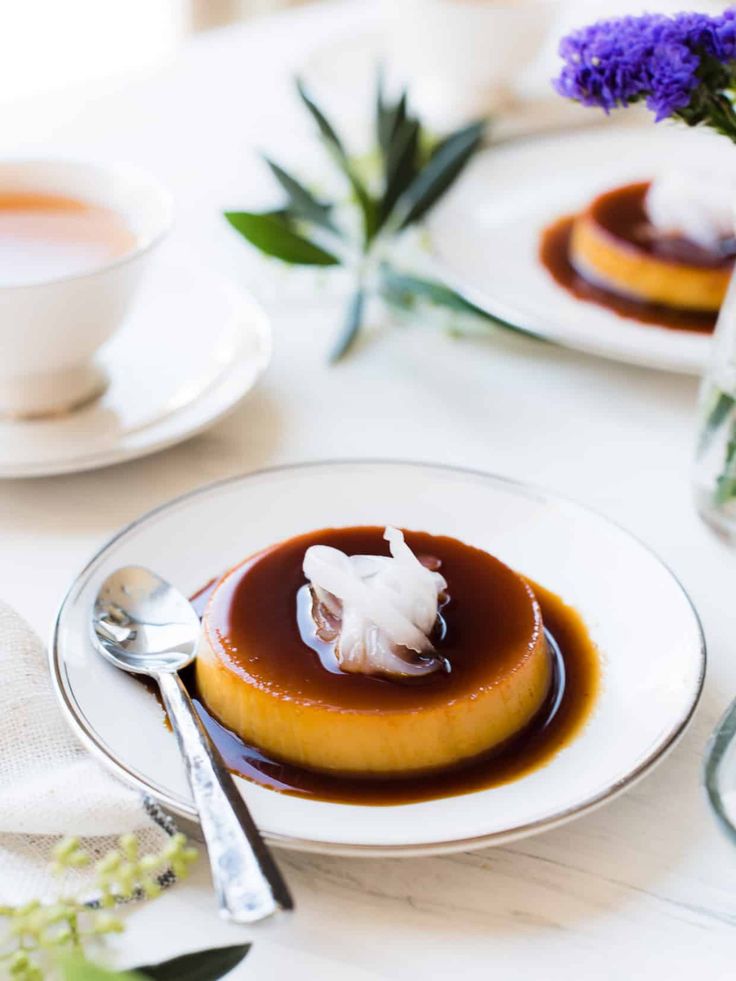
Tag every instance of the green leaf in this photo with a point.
(202, 965)
(302, 203)
(718, 412)
(368, 207)
(351, 327)
(383, 115)
(398, 140)
(400, 166)
(389, 118)
(366, 203)
(726, 484)
(273, 235)
(437, 176)
(78, 969)
(404, 291)
(325, 126)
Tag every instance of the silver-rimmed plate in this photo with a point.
(648, 634)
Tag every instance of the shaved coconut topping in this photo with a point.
(379, 611)
(695, 206)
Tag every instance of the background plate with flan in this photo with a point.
(486, 235)
(647, 632)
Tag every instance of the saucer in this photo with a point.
(191, 348)
(485, 236)
(649, 638)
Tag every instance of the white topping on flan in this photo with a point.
(698, 207)
(380, 611)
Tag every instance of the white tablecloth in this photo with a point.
(645, 887)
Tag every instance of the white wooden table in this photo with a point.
(645, 887)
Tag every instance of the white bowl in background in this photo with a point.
(460, 58)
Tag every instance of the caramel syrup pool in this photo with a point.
(572, 694)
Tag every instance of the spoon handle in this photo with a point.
(247, 881)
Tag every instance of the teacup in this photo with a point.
(460, 58)
(52, 327)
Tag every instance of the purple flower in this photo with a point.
(653, 57)
(603, 64)
(724, 44)
(715, 36)
(672, 70)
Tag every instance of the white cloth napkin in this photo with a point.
(50, 787)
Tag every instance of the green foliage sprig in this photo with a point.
(721, 413)
(414, 172)
(48, 939)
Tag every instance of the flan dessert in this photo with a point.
(373, 653)
(616, 245)
(660, 251)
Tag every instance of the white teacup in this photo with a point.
(461, 58)
(51, 330)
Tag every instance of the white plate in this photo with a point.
(486, 235)
(647, 631)
(190, 350)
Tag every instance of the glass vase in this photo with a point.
(715, 460)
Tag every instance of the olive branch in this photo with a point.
(415, 170)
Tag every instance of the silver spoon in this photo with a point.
(142, 624)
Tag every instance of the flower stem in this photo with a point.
(726, 484)
(352, 324)
(720, 406)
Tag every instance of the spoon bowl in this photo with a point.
(142, 624)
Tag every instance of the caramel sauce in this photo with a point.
(255, 610)
(483, 615)
(622, 213)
